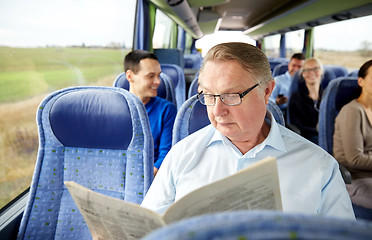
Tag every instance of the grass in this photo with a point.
(27, 75)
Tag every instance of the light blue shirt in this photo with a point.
(282, 85)
(309, 178)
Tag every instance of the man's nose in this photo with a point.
(219, 107)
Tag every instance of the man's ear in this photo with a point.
(129, 74)
(268, 90)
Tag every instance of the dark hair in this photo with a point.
(299, 56)
(363, 71)
(132, 59)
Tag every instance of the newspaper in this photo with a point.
(255, 187)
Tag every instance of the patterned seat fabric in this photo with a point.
(98, 137)
(263, 225)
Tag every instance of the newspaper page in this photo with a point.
(111, 218)
(255, 187)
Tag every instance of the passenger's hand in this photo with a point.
(280, 99)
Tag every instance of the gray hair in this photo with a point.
(251, 58)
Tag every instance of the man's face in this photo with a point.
(294, 65)
(146, 81)
(242, 122)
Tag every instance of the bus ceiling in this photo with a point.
(259, 18)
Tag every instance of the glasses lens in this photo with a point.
(231, 98)
(206, 99)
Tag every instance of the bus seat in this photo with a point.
(165, 89)
(276, 61)
(354, 73)
(338, 70)
(99, 137)
(176, 74)
(280, 69)
(170, 56)
(193, 89)
(193, 61)
(328, 76)
(260, 224)
(339, 92)
(193, 116)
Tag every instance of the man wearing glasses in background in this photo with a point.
(235, 84)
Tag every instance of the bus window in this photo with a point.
(333, 46)
(294, 42)
(272, 45)
(162, 32)
(46, 46)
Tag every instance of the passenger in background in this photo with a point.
(304, 103)
(352, 140)
(142, 70)
(235, 83)
(283, 82)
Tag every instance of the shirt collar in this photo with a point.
(274, 138)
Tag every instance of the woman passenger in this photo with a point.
(352, 141)
(304, 103)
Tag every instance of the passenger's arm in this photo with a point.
(352, 139)
(165, 143)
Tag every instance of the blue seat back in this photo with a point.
(99, 137)
(338, 93)
(193, 116)
(165, 89)
(193, 61)
(280, 69)
(176, 74)
(193, 88)
(338, 70)
(277, 61)
(255, 224)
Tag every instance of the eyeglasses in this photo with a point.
(230, 99)
(306, 70)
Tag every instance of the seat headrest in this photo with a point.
(122, 82)
(92, 119)
(199, 117)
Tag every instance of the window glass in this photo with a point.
(346, 43)
(45, 46)
(163, 26)
(294, 42)
(272, 45)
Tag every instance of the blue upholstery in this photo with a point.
(276, 111)
(257, 224)
(276, 61)
(178, 78)
(354, 73)
(338, 70)
(193, 116)
(165, 89)
(193, 61)
(339, 92)
(170, 56)
(193, 89)
(280, 69)
(99, 137)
